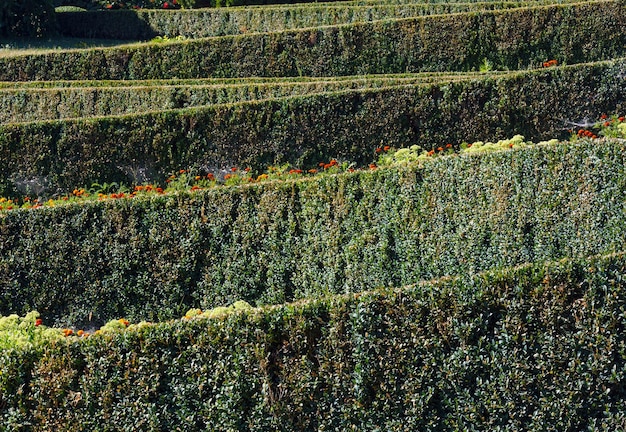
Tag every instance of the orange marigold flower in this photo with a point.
(606, 124)
(138, 188)
(327, 166)
(440, 149)
(321, 164)
(372, 166)
(351, 170)
(431, 152)
(295, 171)
(198, 178)
(234, 169)
(469, 145)
(448, 146)
(604, 117)
(227, 176)
(195, 188)
(80, 332)
(312, 171)
(247, 169)
(378, 150)
(333, 162)
(510, 145)
(210, 176)
(159, 190)
(124, 321)
(68, 332)
(182, 171)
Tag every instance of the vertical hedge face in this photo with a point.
(538, 347)
(26, 17)
(155, 258)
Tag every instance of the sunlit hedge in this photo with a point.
(146, 24)
(513, 39)
(537, 347)
(154, 258)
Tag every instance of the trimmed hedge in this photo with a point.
(32, 104)
(155, 258)
(146, 24)
(306, 130)
(514, 39)
(539, 347)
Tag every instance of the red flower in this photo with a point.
(448, 146)
(386, 148)
(440, 149)
(621, 119)
(166, 5)
(372, 166)
(233, 169)
(606, 124)
(38, 322)
(210, 176)
(604, 117)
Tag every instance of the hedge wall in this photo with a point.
(533, 348)
(270, 243)
(514, 39)
(306, 130)
(32, 104)
(146, 24)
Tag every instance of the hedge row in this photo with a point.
(146, 24)
(347, 125)
(32, 104)
(155, 258)
(423, 76)
(539, 347)
(514, 39)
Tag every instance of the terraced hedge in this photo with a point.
(270, 243)
(306, 130)
(532, 348)
(32, 103)
(146, 24)
(514, 39)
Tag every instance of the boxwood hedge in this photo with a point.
(154, 258)
(513, 39)
(146, 24)
(539, 347)
(306, 130)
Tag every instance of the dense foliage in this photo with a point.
(155, 257)
(26, 17)
(146, 24)
(507, 39)
(347, 125)
(539, 347)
